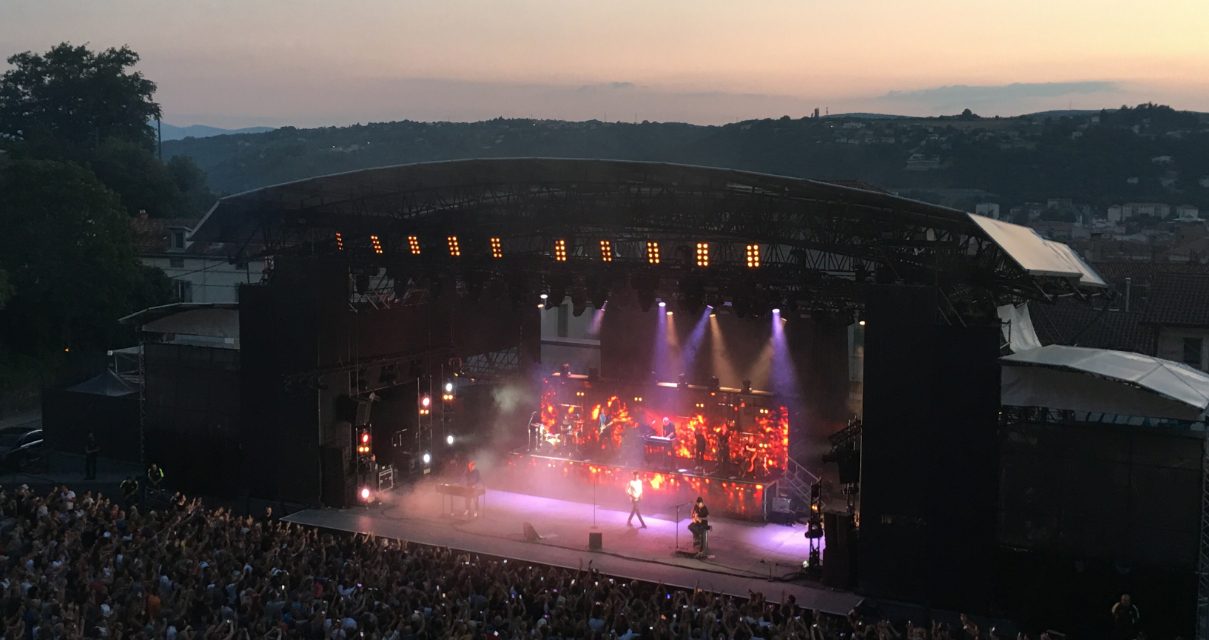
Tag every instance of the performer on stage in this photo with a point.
(700, 527)
(535, 432)
(633, 489)
(701, 445)
(471, 479)
(724, 447)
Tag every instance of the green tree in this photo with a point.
(70, 262)
(66, 102)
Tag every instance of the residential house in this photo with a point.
(200, 272)
(1178, 316)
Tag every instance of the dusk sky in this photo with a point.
(307, 63)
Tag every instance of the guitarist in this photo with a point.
(700, 527)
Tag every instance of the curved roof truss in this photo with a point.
(814, 239)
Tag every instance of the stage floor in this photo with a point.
(747, 556)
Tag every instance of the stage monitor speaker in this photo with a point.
(839, 555)
(849, 464)
(530, 533)
(595, 541)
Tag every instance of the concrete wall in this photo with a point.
(1171, 345)
(211, 279)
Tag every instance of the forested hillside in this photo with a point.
(1149, 152)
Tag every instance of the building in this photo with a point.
(1122, 212)
(1178, 315)
(201, 272)
(988, 209)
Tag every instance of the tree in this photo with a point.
(69, 259)
(66, 102)
(6, 289)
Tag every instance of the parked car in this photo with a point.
(10, 435)
(30, 454)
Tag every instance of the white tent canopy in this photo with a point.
(1104, 381)
(1036, 255)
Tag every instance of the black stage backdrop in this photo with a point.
(302, 322)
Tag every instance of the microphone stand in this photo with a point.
(594, 500)
(678, 527)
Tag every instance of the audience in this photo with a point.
(82, 566)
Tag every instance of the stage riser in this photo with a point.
(573, 480)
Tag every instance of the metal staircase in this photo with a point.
(794, 487)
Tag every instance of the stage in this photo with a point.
(746, 556)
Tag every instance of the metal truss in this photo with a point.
(492, 365)
(814, 239)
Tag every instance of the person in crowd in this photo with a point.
(155, 477)
(130, 490)
(81, 566)
(1125, 618)
(633, 489)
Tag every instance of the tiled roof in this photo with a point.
(1072, 323)
(1180, 299)
(152, 236)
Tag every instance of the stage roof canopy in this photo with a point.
(538, 211)
(1104, 381)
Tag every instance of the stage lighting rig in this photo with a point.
(814, 527)
(606, 250)
(652, 253)
(364, 441)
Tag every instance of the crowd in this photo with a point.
(83, 566)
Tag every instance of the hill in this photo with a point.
(173, 132)
(1146, 153)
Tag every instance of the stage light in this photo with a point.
(427, 457)
(702, 254)
(815, 529)
(449, 439)
(776, 311)
(669, 313)
(560, 250)
(753, 256)
(497, 248)
(339, 241)
(376, 243)
(363, 441)
(455, 248)
(413, 245)
(365, 494)
(544, 297)
(425, 401)
(448, 387)
(662, 304)
(606, 250)
(652, 252)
